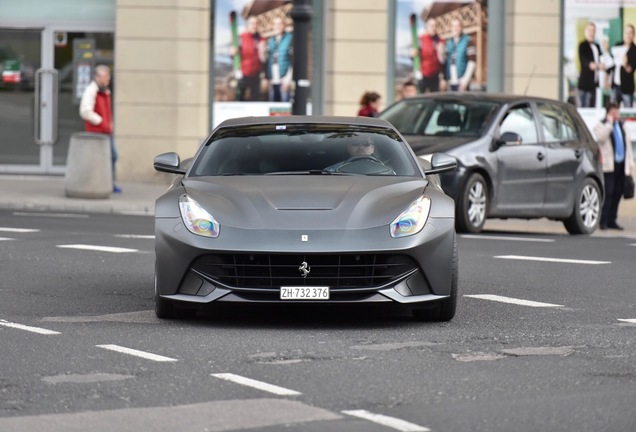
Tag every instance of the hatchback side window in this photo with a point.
(557, 125)
(520, 120)
(571, 132)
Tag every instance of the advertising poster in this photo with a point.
(609, 19)
(450, 57)
(253, 58)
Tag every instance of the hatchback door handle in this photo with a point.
(540, 156)
(578, 153)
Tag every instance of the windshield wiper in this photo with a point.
(308, 172)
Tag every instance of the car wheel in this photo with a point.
(443, 310)
(472, 205)
(586, 213)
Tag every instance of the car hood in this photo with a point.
(433, 144)
(304, 202)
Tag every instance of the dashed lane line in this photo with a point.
(506, 238)
(135, 236)
(56, 215)
(6, 239)
(511, 300)
(19, 230)
(98, 248)
(631, 321)
(553, 260)
(391, 422)
(137, 353)
(38, 330)
(281, 391)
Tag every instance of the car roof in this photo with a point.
(306, 119)
(494, 97)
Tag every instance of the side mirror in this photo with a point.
(508, 138)
(169, 162)
(440, 163)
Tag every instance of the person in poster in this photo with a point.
(252, 52)
(432, 54)
(590, 64)
(279, 62)
(460, 58)
(624, 54)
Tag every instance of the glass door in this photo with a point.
(75, 56)
(42, 75)
(20, 58)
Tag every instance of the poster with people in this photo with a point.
(253, 58)
(440, 45)
(599, 56)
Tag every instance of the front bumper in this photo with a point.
(180, 276)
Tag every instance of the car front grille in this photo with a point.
(276, 270)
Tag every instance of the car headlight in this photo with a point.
(412, 220)
(197, 219)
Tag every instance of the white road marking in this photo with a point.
(135, 236)
(554, 260)
(511, 300)
(19, 230)
(6, 239)
(522, 239)
(137, 353)
(391, 422)
(98, 248)
(281, 391)
(58, 215)
(631, 321)
(28, 328)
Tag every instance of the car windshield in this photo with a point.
(305, 149)
(441, 117)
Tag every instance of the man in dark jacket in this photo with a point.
(589, 58)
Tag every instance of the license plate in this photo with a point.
(304, 293)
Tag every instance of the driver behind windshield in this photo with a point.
(358, 146)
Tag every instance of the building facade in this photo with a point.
(166, 65)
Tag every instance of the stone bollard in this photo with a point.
(88, 166)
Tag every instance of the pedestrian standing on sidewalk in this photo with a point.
(615, 145)
(96, 109)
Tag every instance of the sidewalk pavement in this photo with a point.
(47, 193)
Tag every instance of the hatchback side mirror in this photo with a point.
(508, 139)
(169, 162)
(440, 163)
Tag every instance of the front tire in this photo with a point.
(586, 213)
(472, 205)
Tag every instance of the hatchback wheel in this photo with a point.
(472, 205)
(587, 209)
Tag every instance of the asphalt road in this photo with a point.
(544, 340)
